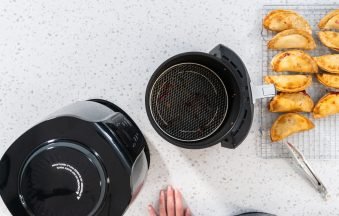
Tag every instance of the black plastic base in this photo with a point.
(118, 194)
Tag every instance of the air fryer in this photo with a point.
(196, 100)
(88, 158)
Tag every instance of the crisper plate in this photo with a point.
(322, 142)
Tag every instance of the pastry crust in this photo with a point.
(327, 105)
(280, 20)
(330, 20)
(329, 80)
(330, 39)
(294, 61)
(288, 124)
(292, 39)
(329, 63)
(291, 102)
(289, 83)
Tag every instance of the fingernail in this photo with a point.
(162, 193)
(169, 187)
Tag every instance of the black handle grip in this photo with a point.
(243, 123)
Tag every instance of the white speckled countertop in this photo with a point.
(56, 52)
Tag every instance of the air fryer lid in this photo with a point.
(62, 177)
(188, 101)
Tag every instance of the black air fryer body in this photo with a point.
(88, 158)
(236, 101)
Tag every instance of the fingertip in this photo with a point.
(169, 188)
(151, 210)
(188, 212)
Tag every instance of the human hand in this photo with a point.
(170, 204)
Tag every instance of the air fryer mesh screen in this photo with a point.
(188, 102)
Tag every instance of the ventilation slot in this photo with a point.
(240, 74)
(226, 58)
(241, 123)
(233, 65)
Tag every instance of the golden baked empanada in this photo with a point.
(329, 63)
(291, 102)
(330, 21)
(294, 61)
(292, 38)
(327, 105)
(330, 39)
(329, 80)
(288, 124)
(289, 83)
(280, 20)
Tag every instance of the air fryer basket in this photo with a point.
(224, 70)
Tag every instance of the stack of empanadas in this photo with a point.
(295, 33)
(294, 30)
(328, 104)
(329, 64)
(292, 98)
(330, 22)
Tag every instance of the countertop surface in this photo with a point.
(53, 53)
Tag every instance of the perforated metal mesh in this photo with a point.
(188, 102)
(322, 141)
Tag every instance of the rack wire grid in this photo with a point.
(320, 142)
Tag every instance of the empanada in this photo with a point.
(292, 38)
(330, 21)
(294, 61)
(280, 20)
(327, 105)
(288, 124)
(330, 39)
(329, 80)
(329, 63)
(291, 102)
(289, 83)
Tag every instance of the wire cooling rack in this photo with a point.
(322, 141)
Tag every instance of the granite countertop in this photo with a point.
(55, 52)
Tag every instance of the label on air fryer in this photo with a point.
(75, 173)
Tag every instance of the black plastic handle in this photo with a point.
(243, 123)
